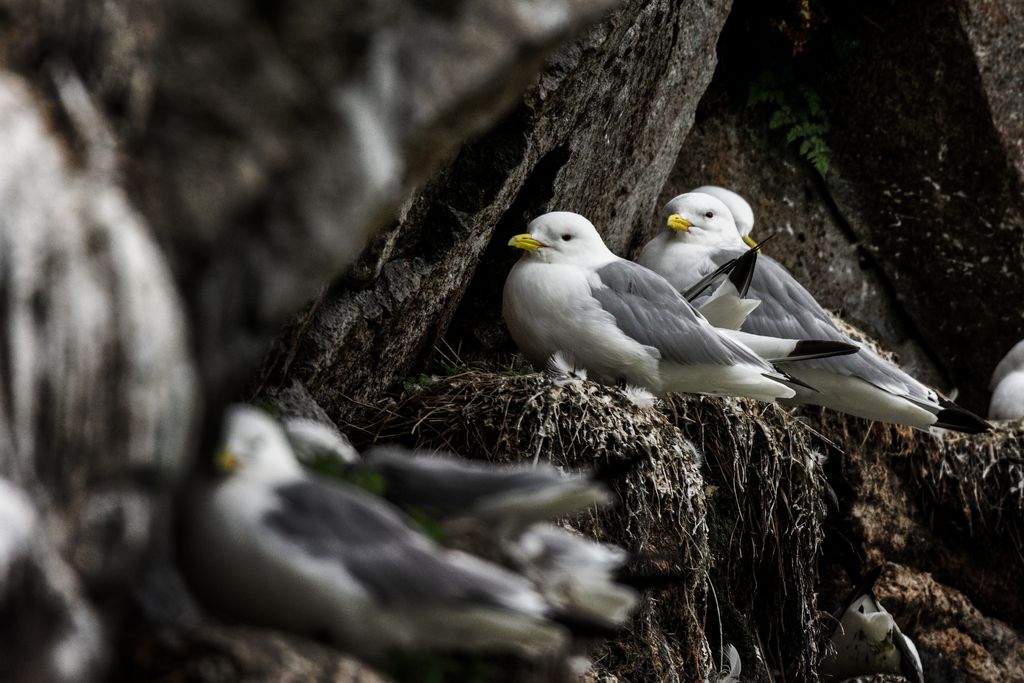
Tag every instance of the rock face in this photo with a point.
(596, 132)
(933, 185)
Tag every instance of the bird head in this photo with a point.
(563, 237)
(254, 445)
(700, 218)
(741, 212)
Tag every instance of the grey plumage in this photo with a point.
(647, 308)
(703, 237)
(512, 496)
(1007, 386)
(272, 545)
(570, 293)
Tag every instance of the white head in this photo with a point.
(698, 218)
(741, 212)
(255, 446)
(563, 237)
(1011, 362)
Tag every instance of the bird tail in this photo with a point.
(952, 416)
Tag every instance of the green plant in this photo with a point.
(797, 109)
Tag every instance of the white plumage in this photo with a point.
(271, 545)
(620, 321)
(701, 235)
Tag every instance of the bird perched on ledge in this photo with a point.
(622, 322)
(271, 545)
(700, 235)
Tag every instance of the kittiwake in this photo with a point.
(701, 235)
(274, 546)
(447, 487)
(619, 320)
(1007, 386)
(868, 641)
(499, 512)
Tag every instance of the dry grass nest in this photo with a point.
(754, 466)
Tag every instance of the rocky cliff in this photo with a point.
(308, 203)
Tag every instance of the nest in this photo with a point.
(728, 494)
(952, 506)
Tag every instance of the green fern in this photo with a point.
(797, 109)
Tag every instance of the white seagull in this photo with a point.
(619, 320)
(500, 511)
(868, 641)
(271, 545)
(701, 235)
(1007, 386)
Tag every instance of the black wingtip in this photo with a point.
(959, 420)
(866, 584)
(808, 349)
(698, 287)
(743, 273)
(789, 379)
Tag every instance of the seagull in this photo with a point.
(509, 497)
(701, 235)
(619, 320)
(444, 486)
(497, 511)
(1007, 386)
(272, 545)
(868, 641)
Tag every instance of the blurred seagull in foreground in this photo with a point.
(868, 641)
(1007, 386)
(501, 513)
(446, 487)
(619, 320)
(701, 235)
(271, 545)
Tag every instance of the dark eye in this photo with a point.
(566, 237)
(709, 214)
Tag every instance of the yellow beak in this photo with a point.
(228, 462)
(526, 241)
(749, 240)
(677, 222)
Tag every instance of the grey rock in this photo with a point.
(49, 630)
(926, 171)
(597, 133)
(97, 397)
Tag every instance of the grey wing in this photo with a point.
(650, 310)
(446, 485)
(375, 544)
(789, 311)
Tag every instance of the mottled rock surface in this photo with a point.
(596, 132)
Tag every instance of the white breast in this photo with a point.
(548, 308)
(680, 262)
